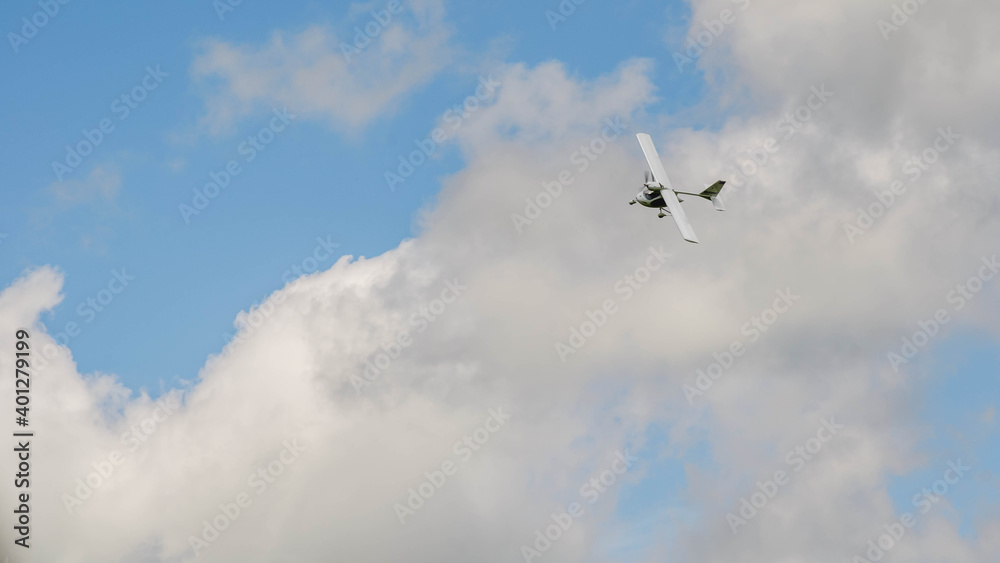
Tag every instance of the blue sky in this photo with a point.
(312, 181)
(321, 183)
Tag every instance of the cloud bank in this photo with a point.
(436, 364)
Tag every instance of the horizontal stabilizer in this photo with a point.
(711, 193)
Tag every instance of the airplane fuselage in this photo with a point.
(650, 198)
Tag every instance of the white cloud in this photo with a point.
(309, 72)
(494, 345)
(100, 185)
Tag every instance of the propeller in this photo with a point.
(647, 177)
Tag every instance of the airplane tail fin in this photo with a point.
(711, 193)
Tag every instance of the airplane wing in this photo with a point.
(660, 175)
(653, 159)
(677, 212)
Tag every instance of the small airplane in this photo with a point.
(657, 191)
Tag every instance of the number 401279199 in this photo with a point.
(23, 381)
